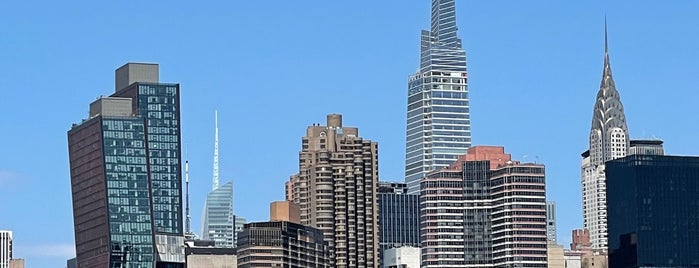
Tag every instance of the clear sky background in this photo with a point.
(272, 68)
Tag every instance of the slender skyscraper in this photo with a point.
(438, 118)
(609, 139)
(219, 222)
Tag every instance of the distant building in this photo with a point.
(646, 147)
(573, 259)
(285, 211)
(72, 263)
(399, 217)
(551, 221)
(126, 175)
(401, 257)
(282, 244)
(17, 263)
(653, 211)
(468, 215)
(555, 256)
(336, 190)
(5, 248)
(581, 240)
(219, 223)
(438, 128)
(205, 254)
(609, 139)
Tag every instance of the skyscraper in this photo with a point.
(485, 210)
(219, 223)
(336, 191)
(438, 118)
(282, 244)
(551, 221)
(126, 176)
(653, 211)
(5, 248)
(399, 217)
(609, 139)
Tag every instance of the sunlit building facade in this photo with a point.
(438, 117)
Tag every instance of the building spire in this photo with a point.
(607, 65)
(188, 231)
(215, 180)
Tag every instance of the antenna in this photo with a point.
(215, 182)
(188, 231)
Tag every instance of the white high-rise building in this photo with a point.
(5, 248)
(401, 257)
(609, 139)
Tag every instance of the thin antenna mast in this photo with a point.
(188, 230)
(215, 182)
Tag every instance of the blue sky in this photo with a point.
(272, 67)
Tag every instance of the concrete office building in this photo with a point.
(485, 210)
(438, 117)
(653, 211)
(282, 244)
(609, 139)
(572, 259)
(401, 257)
(5, 248)
(551, 221)
(126, 175)
(205, 254)
(336, 191)
(399, 217)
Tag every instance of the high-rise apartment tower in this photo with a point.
(126, 175)
(336, 191)
(609, 139)
(5, 248)
(438, 118)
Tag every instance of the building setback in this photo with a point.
(485, 210)
(399, 217)
(126, 177)
(336, 191)
(282, 244)
(438, 117)
(653, 211)
(609, 139)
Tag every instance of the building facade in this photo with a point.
(336, 191)
(485, 210)
(17, 263)
(205, 254)
(399, 217)
(438, 117)
(219, 221)
(609, 139)
(551, 221)
(402, 257)
(126, 176)
(282, 244)
(653, 211)
(5, 248)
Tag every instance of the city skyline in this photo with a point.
(552, 58)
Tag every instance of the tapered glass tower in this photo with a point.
(438, 117)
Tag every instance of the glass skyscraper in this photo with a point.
(125, 175)
(438, 118)
(653, 211)
(399, 217)
(219, 222)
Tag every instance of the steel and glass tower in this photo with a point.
(126, 176)
(609, 140)
(438, 117)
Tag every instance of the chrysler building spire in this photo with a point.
(609, 139)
